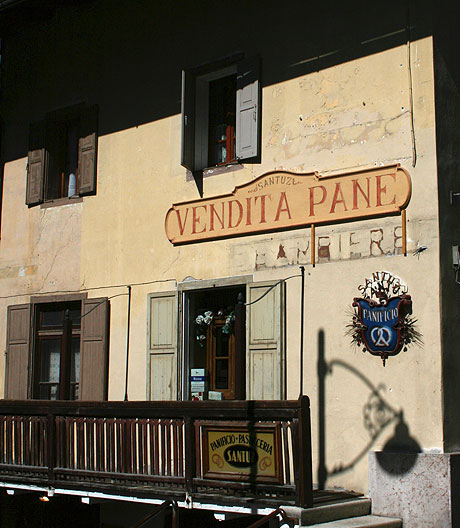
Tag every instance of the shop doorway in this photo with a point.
(212, 343)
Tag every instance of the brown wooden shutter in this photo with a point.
(17, 352)
(37, 165)
(94, 349)
(87, 152)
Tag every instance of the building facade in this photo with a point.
(151, 154)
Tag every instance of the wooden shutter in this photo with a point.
(94, 349)
(265, 358)
(188, 120)
(248, 108)
(17, 352)
(36, 165)
(87, 152)
(163, 346)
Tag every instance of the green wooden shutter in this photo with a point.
(17, 352)
(248, 108)
(94, 349)
(87, 152)
(265, 359)
(162, 346)
(37, 163)
(188, 120)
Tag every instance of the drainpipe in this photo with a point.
(302, 316)
(127, 343)
(240, 348)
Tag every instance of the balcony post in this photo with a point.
(304, 490)
(190, 455)
(50, 446)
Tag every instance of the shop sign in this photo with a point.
(382, 320)
(283, 200)
(239, 452)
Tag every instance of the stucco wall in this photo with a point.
(354, 112)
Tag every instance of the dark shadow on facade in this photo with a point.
(132, 53)
(378, 414)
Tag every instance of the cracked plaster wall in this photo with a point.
(39, 248)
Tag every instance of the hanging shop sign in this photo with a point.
(238, 452)
(382, 321)
(282, 200)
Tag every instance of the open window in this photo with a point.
(62, 156)
(221, 114)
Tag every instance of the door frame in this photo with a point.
(185, 288)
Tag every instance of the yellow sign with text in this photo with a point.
(285, 200)
(242, 452)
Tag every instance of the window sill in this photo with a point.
(61, 201)
(215, 171)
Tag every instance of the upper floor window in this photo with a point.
(221, 114)
(62, 156)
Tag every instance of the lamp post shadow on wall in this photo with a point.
(400, 442)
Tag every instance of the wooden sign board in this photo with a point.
(239, 452)
(283, 200)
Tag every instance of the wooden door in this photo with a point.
(220, 355)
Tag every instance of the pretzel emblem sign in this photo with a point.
(381, 336)
(382, 321)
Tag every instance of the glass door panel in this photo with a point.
(220, 354)
(50, 360)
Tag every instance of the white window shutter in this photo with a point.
(265, 361)
(248, 108)
(188, 120)
(162, 346)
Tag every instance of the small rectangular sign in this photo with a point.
(215, 395)
(239, 451)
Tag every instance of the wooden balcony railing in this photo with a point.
(158, 449)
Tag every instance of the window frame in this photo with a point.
(195, 111)
(94, 346)
(43, 153)
(57, 332)
(36, 305)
